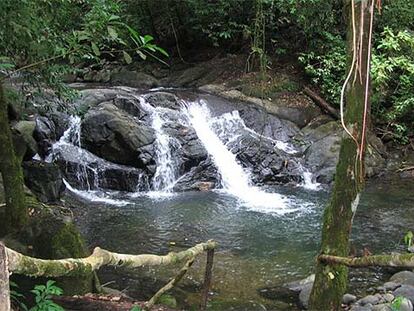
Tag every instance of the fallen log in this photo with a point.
(393, 260)
(15, 262)
(21, 264)
(321, 102)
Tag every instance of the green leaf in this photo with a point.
(148, 38)
(162, 51)
(127, 57)
(112, 33)
(95, 49)
(142, 55)
(136, 308)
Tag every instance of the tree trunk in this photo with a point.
(4, 280)
(15, 214)
(331, 278)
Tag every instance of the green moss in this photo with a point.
(168, 300)
(68, 243)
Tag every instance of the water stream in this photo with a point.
(267, 235)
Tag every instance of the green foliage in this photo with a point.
(326, 67)
(408, 238)
(392, 72)
(16, 297)
(393, 82)
(397, 303)
(43, 295)
(136, 308)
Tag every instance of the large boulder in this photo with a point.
(112, 134)
(44, 180)
(24, 143)
(322, 153)
(84, 170)
(134, 79)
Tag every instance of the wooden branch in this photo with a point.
(4, 280)
(169, 285)
(321, 102)
(207, 279)
(394, 260)
(21, 264)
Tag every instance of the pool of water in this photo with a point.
(257, 248)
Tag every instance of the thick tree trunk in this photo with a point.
(16, 214)
(331, 278)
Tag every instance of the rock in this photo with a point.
(382, 307)
(403, 277)
(115, 136)
(410, 249)
(24, 142)
(388, 297)
(163, 99)
(404, 305)
(44, 180)
(45, 135)
(204, 172)
(61, 123)
(50, 234)
(205, 186)
(360, 308)
(406, 291)
(279, 293)
(390, 286)
(44, 129)
(92, 97)
(323, 152)
(304, 295)
(370, 299)
(297, 286)
(348, 299)
(92, 172)
(134, 79)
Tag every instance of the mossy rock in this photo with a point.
(168, 300)
(50, 234)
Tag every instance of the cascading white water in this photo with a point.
(165, 174)
(72, 138)
(235, 180)
(228, 127)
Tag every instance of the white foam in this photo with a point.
(235, 180)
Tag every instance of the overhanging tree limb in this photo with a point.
(393, 260)
(21, 264)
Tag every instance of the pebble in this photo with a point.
(391, 285)
(348, 299)
(388, 297)
(370, 299)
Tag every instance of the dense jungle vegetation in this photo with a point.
(309, 32)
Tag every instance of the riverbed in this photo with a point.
(258, 249)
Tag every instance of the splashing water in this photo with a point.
(235, 180)
(165, 175)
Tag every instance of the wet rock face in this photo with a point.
(44, 180)
(118, 128)
(95, 173)
(116, 136)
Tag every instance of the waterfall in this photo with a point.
(71, 138)
(308, 181)
(235, 180)
(165, 174)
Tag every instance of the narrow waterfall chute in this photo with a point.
(235, 180)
